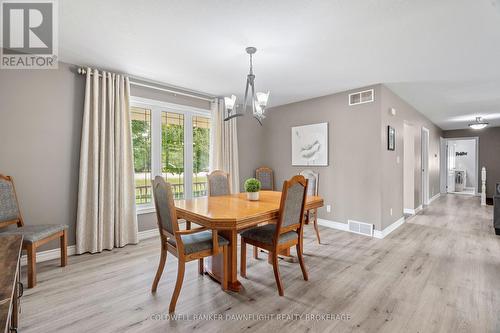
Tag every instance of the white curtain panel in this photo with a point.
(106, 215)
(224, 145)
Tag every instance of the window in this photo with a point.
(141, 140)
(172, 151)
(172, 141)
(201, 151)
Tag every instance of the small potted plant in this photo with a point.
(252, 187)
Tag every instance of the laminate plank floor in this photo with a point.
(438, 272)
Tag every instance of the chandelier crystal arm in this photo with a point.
(258, 106)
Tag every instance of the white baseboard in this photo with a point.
(333, 224)
(381, 234)
(56, 253)
(412, 211)
(376, 233)
(142, 235)
(418, 209)
(434, 198)
(409, 211)
(49, 255)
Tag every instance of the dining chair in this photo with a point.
(266, 177)
(312, 189)
(186, 245)
(33, 235)
(287, 232)
(218, 183)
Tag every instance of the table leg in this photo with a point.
(214, 265)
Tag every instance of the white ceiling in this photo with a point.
(442, 56)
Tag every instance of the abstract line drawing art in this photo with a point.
(310, 145)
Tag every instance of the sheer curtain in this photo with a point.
(106, 215)
(224, 145)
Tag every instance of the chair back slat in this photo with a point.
(9, 207)
(313, 181)
(266, 177)
(165, 207)
(218, 183)
(293, 199)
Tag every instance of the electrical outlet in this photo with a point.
(391, 211)
(328, 208)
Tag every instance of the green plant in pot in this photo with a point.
(252, 187)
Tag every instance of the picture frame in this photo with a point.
(310, 145)
(391, 138)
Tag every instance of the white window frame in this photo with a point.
(157, 107)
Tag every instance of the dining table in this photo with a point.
(229, 215)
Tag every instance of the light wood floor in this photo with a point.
(439, 272)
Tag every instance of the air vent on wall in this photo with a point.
(360, 228)
(361, 97)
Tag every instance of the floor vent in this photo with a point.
(360, 228)
(361, 97)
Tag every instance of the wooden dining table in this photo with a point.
(229, 215)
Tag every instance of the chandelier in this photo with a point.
(257, 101)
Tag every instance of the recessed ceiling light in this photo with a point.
(479, 124)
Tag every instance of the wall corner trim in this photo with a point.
(434, 198)
(380, 234)
(56, 253)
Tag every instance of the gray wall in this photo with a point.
(363, 180)
(250, 147)
(489, 153)
(351, 181)
(40, 124)
(164, 96)
(41, 115)
(392, 171)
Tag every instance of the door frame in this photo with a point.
(408, 130)
(478, 172)
(424, 162)
(443, 166)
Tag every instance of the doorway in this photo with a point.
(462, 165)
(425, 166)
(408, 169)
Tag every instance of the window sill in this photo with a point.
(145, 209)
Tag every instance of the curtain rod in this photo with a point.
(83, 71)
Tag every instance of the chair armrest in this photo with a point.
(190, 231)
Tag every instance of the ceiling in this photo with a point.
(443, 57)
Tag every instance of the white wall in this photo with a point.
(409, 166)
(466, 162)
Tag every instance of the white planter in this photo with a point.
(253, 196)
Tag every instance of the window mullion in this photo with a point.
(156, 142)
(188, 155)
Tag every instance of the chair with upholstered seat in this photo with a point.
(312, 189)
(218, 183)
(186, 245)
(33, 235)
(287, 232)
(266, 177)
